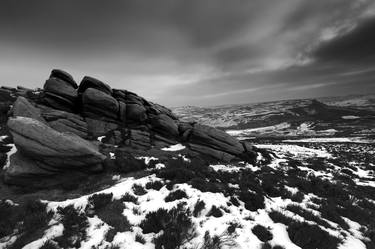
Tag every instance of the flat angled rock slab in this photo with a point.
(41, 142)
(216, 139)
(67, 125)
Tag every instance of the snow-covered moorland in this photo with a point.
(301, 198)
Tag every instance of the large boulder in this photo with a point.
(215, 139)
(96, 103)
(58, 102)
(61, 88)
(136, 112)
(90, 82)
(164, 125)
(60, 74)
(56, 149)
(60, 95)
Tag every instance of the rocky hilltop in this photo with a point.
(66, 127)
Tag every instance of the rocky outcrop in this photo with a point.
(41, 142)
(42, 149)
(57, 129)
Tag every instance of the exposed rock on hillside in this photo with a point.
(57, 129)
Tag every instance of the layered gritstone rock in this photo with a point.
(57, 129)
(42, 148)
(96, 104)
(60, 91)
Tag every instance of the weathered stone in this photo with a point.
(127, 121)
(247, 146)
(97, 128)
(139, 139)
(216, 139)
(51, 114)
(215, 154)
(61, 88)
(133, 98)
(136, 112)
(23, 108)
(90, 82)
(183, 127)
(59, 150)
(68, 125)
(159, 109)
(114, 137)
(119, 94)
(6, 95)
(97, 104)
(162, 142)
(165, 125)
(60, 74)
(122, 111)
(23, 167)
(58, 102)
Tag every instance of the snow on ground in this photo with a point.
(295, 150)
(147, 158)
(331, 140)
(100, 138)
(52, 232)
(305, 128)
(350, 117)
(12, 151)
(154, 200)
(258, 130)
(243, 238)
(231, 168)
(175, 147)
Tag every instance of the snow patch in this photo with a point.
(12, 151)
(350, 117)
(101, 138)
(175, 147)
(280, 126)
(295, 150)
(359, 140)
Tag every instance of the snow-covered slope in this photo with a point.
(286, 202)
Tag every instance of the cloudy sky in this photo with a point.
(194, 52)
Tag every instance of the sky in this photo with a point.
(194, 52)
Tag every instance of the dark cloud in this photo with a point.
(193, 51)
(355, 47)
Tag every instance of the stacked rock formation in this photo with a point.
(57, 128)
